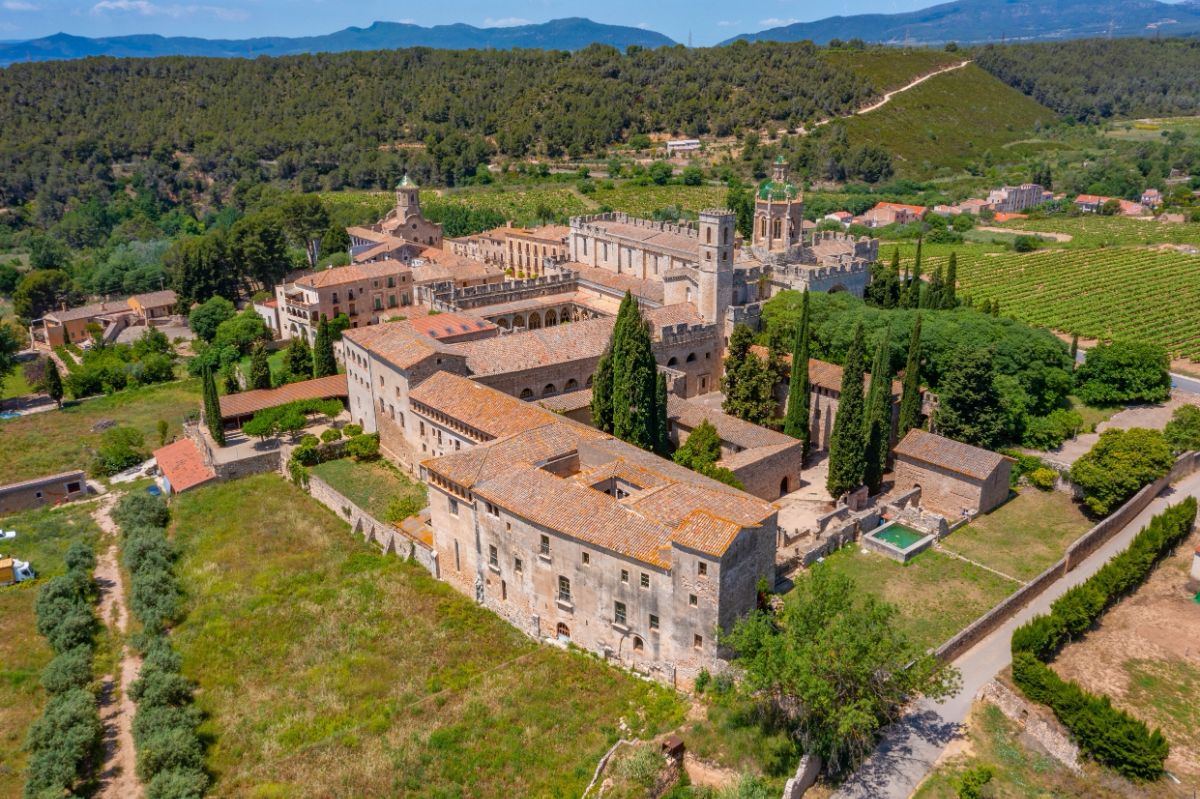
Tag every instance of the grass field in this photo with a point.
(1154, 130)
(370, 486)
(1092, 231)
(1019, 771)
(930, 127)
(936, 595)
(42, 539)
(14, 385)
(329, 669)
(1112, 292)
(1024, 536)
(55, 441)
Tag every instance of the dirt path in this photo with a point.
(118, 775)
(887, 98)
(1062, 238)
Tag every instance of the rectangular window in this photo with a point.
(564, 589)
(624, 575)
(391, 300)
(378, 304)
(697, 641)
(492, 509)
(645, 580)
(692, 600)
(653, 622)
(587, 558)
(392, 282)
(702, 568)
(544, 548)
(454, 512)
(619, 613)
(493, 556)
(518, 566)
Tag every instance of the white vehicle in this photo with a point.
(7, 535)
(14, 571)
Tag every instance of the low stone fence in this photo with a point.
(806, 775)
(1050, 734)
(389, 539)
(1076, 553)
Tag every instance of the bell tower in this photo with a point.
(408, 199)
(778, 212)
(717, 227)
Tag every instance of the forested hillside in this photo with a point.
(355, 116)
(1096, 79)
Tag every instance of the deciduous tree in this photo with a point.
(969, 403)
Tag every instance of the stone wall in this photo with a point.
(1046, 731)
(806, 775)
(386, 536)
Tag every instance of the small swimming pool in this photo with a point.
(899, 536)
(9, 415)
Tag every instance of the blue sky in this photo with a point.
(709, 21)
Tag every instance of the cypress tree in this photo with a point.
(912, 297)
(879, 415)
(298, 359)
(324, 362)
(910, 400)
(604, 377)
(635, 388)
(622, 366)
(796, 420)
(54, 384)
(662, 417)
(212, 407)
(748, 382)
(847, 448)
(229, 379)
(932, 298)
(260, 367)
(950, 289)
(896, 261)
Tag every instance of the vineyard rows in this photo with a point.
(1134, 293)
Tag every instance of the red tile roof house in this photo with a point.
(894, 214)
(1090, 203)
(182, 466)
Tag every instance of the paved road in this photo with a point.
(912, 746)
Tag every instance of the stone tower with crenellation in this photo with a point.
(716, 263)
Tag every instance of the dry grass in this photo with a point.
(370, 486)
(55, 441)
(42, 539)
(331, 670)
(1024, 536)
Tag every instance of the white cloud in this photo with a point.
(505, 22)
(728, 23)
(775, 22)
(18, 5)
(148, 9)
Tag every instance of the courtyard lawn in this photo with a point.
(43, 537)
(936, 595)
(1023, 536)
(370, 486)
(274, 360)
(329, 669)
(55, 441)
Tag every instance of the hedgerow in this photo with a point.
(170, 754)
(64, 742)
(1107, 734)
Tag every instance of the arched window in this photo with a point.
(776, 229)
(691, 357)
(708, 235)
(551, 318)
(571, 385)
(526, 393)
(548, 390)
(518, 321)
(563, 632)
(535, 321)
(588, 383)
(783, 487)
(638, 646)
(672, 361)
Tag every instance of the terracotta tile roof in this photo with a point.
(671, 316)
(950, 454)
(183, 465)
(645, 289)
(750, 456)
(731, 429)
(397, 343)
(454, 268)
(621, 469)
(354, 273)
(250, 402)
(533, 348)
(449, 325)
(555, 233)
(567, 402)
(704, 532)
(154, 299)
(913, 209)
(652, 237)
(491, 412)
(672, 503)
(1091, 198)
(367, 234)
(90, 311)
(392, 245)
(552, 439)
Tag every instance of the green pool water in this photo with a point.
(899, 536)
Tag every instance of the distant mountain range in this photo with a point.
(970, 21)
(559, 34)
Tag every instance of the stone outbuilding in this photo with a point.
(955, 479)
(41, 491)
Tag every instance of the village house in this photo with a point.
(1152, 198)
(884, 214)
(1014, 199)
(955, 479)
(682, 146)
(366, 293)
(1094, 204)
(70, 325)
(39, 492)
(843, 218)
(571, 534)
(973, 206)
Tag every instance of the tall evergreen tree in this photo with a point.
(297, 359)
(627, 318)
(970, 408)
(1074, 349)
(933, 295)
(212, 407)
(260, 367)
(847, 448)
(796, 421)
(910, 400)
(950, 289)
(54, 384)
(602, 387)
(748, 382)
(635, 388)
(662, 416)
(324, 362)
(912, 295)
(878, 418)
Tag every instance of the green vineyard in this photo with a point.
(1143, 294)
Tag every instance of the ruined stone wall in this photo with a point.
(765, 476)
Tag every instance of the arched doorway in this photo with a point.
(562, 632)
(783, 487)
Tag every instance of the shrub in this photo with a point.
(62, 741)
(120, 448)
(332, 434)
(400, 508)
(352, 430)
(1183, 431)
(1119, 465)
(1050, 431)
(178, 783)
(70, 669)
(363, 447)
(642, 767)
(141, 510)
(1122, 372)
(970, 784)
(1043, 478)
(172, 748)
